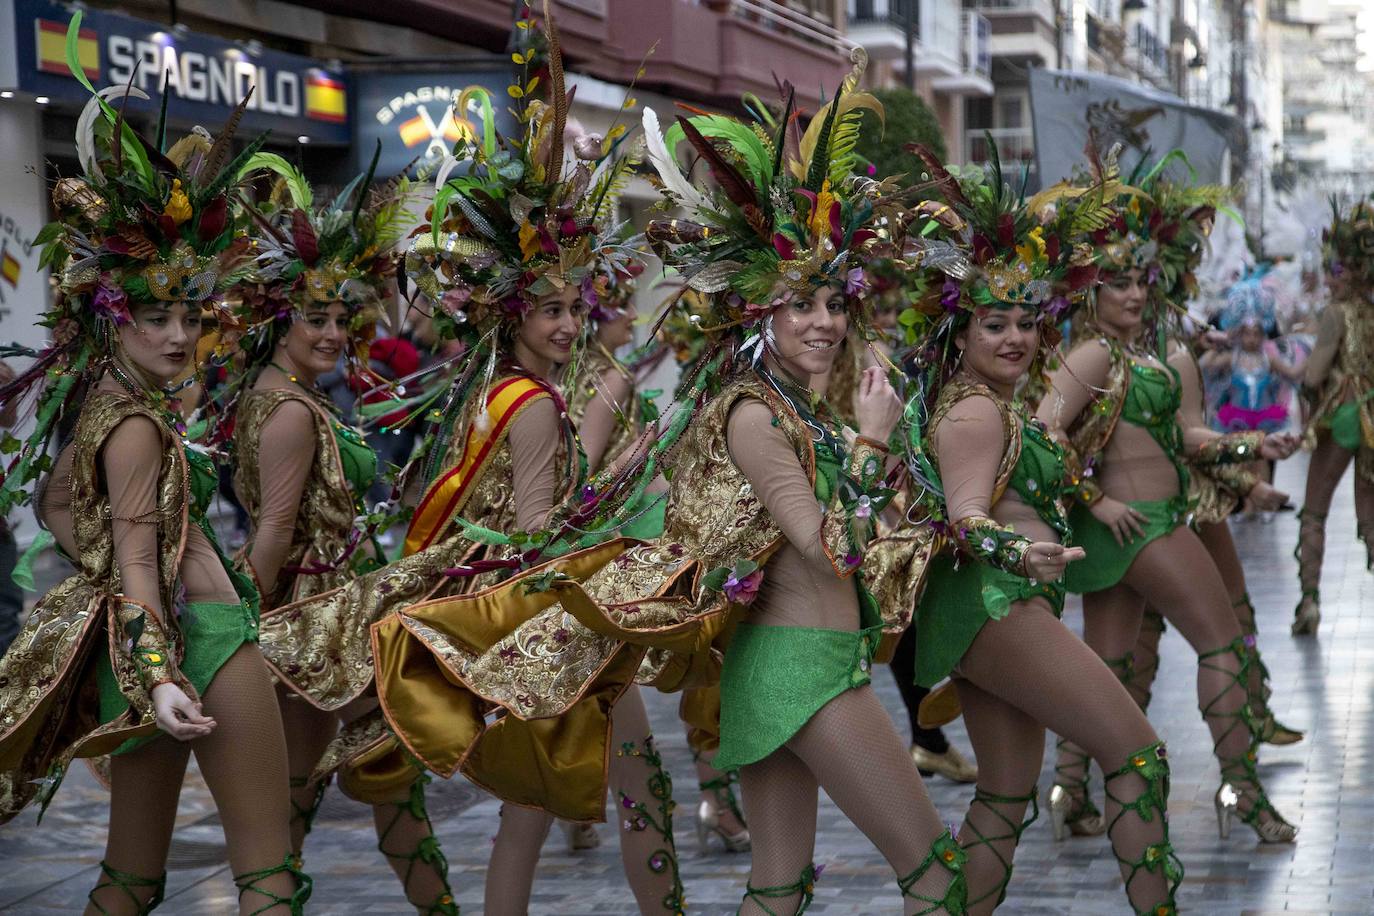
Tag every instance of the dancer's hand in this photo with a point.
(878, 408)
(1266, 498)
(1046, 560)
(1122, 520)
(1278, 446)
(178, 715)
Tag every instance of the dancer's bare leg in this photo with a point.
(308, 733)
(642, 793)
(1324, 472)
(784, 793)
(144, 788)
(1027, 672)
(1176, 575)
(244, 762)
(875, 783)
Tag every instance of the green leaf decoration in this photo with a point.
(74, 52)
(715, 579)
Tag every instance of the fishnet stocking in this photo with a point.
(874, 783)
(406, 837)
(1177, 576)
(510, 874)
(308, 733)
(244, 764)
(643, 795)
(1324, 473)
(1145, 659)
(1072, 768)
(1023, 674)
(1364, 515)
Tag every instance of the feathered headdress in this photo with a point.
(142, 224)
(785, 215)
(305, 253)
(1348, 243)
(521, 219)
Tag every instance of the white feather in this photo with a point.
(663, 162)
(85, 128)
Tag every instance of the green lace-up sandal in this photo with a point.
(248, 882)
(1142, 665)
(1014, 829)
(1240, 782)
(946, 853)
(1271, 730)
(130, 885)
(717, 796)
(804, 887)
(1150, 765)
(425, 855)
(1312, 536)
(655, 814)
(304, 815)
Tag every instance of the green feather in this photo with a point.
(296, 183)
(820, 157)
(756, 157)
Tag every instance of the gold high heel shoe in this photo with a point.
(1272, 731)
(581, 836)
(1067, 817)
(717, 794)
(1227, 804)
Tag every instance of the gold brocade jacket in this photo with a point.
(48, 694)
(327, 510)
(1351, 379)
(513, 685)
(320, 647)
(586, 387)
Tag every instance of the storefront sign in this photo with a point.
(205, 76)
(412, 114)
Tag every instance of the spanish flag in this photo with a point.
(325, 99)
(50, 40)
(416, 130)
(9, 269)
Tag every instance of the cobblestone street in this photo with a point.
(1324, 785)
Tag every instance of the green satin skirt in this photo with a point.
(774, 679)
(213, 633)
(958, 602)
(1106, 562)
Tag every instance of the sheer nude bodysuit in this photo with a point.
(849, 747)
(243, 760)
(286, 457)
(1027, 672)
(1173, 573)
(535, 441)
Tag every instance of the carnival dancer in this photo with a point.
(610, 415)
(1339, 382)
(1255, 394)
(1216, 491)
(303, 475)
(148, 652)
(770, 509)
(1002, 275)
(1117, 402)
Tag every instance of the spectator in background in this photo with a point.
(389, 359)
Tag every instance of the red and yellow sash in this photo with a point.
(446, 496)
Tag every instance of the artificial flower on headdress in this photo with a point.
(142, 224)
(307, 253)
(785, 215)
(1348, 243)
(514, 219)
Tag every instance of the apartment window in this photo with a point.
(1011, 112)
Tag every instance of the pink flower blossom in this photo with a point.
(112, 302)
(743, 591)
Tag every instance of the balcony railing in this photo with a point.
(886, 12)
(779, 17)
(1015, 147)
(1044, 8)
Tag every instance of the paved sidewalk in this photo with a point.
(1325, 785)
